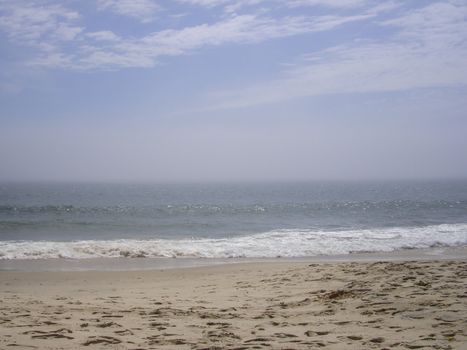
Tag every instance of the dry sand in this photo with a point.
(351, 305)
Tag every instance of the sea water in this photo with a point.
(267, 220)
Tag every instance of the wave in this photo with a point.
(231, 209)
(163, 209)
(279, 243)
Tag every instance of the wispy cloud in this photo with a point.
(329, 3)
(207, 3)
(230, 6)
(103, 35)
(233, 5)
(143, 10)
(145, 52)
(427, 50)
(26, 22)
(44, 26)
(426, 47)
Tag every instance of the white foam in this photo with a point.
(284, 243)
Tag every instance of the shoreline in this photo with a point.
(259, 305)
(137, 264)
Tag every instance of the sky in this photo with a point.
(239, 90)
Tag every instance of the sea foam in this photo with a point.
(279, 243)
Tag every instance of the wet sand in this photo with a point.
(273, 305)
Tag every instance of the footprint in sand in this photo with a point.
(101, 340)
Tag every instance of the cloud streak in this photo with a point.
(244, 29)
(28, 23)
(48, 28)
(235, 5)
(427, 50)
(143, 10)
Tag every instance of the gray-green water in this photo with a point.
(229, 220)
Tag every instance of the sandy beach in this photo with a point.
(274, 305)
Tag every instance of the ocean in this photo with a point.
(268, 220)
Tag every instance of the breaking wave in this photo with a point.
(283, 243)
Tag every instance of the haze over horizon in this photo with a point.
(241, 90)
